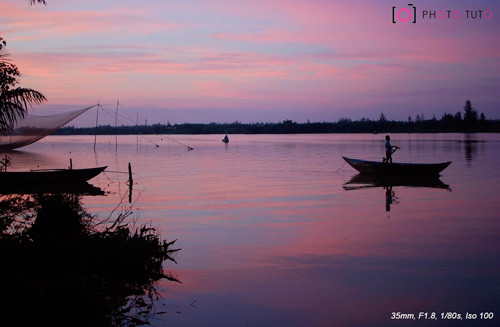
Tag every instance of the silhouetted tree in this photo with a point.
(14, 101)
(470, 115)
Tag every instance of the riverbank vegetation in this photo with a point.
(468, 120)
(62, 266)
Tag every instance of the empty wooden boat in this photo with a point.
(49, 176)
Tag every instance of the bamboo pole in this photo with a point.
(130, 183)
(96, 122)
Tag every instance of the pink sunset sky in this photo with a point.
(256, 61)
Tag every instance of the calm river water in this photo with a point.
(274, 234)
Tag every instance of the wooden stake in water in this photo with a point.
(130, 183)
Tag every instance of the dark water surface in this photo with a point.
(272, 235)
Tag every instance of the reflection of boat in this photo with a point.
(362, 181)
(49, 176)
(367, 181)
(80, 188)
(396, 169)
(225, 139)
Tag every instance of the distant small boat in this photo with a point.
(396, 169)
(49, 176)
(225, 139)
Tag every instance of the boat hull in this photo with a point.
(75, 188)
(396, 169)
(56, 176)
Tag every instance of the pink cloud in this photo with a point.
(285, 53)
(32, 23)
(219, 89)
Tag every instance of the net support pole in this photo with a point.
(96, 122)
(116, 125)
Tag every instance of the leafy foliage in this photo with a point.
(62, 268)
(14, 101)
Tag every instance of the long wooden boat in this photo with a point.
(396, 169)
(49, 176)
(76, 188)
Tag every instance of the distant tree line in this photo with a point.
(467, 121)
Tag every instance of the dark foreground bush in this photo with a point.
(58, 267)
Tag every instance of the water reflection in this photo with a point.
(387, 183)
(33, 160)
(61, 266)
(390, 198)
(471, 147)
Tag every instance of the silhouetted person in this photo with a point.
(389, 149)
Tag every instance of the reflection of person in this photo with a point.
(389, 149)
(388, 198)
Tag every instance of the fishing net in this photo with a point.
(33, 128)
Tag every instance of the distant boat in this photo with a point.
(49, 176)
(396, 169)
(225, 139)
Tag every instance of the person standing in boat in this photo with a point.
(389, 149)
